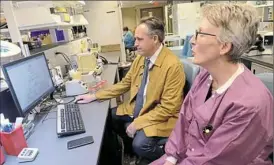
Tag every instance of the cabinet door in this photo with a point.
(104, 26)
(256, 69)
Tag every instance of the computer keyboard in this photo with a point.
(69, 120)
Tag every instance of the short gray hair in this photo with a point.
(238, 23)
(155, 27)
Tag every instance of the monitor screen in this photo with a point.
(29, 80)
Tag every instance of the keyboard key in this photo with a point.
(62, 125)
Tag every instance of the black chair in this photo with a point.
(130, 51)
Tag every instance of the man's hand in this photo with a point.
(168, 163)
(87, 98)
(131, 130)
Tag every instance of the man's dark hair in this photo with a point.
(125, 28)
(155, 26)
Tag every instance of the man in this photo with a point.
(227, 116)
(155, 80)
(128, 38)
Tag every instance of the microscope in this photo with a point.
(258, 45)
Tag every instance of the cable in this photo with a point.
(62, 97)
(48, 119)
(47, 113)
(66, 58)
(2, 79)
(64, 102)
(64, 55)
(34, 110)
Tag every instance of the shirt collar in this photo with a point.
(155, 55)
(224, 87)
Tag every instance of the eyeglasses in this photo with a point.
(197, 32)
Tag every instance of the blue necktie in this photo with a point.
(140, 95)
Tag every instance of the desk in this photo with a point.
(112, 56)
(259, 62)
(264, 60)
(53, 150)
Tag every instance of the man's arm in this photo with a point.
(119, 88)
(170, 101)
(239, 140)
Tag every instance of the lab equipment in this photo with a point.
(27, 155)
(76, 87)
(9, 52)
(69, 120)
(258, 45)
(29, 81)
(80, 142)
(57, 75)
(86, 62)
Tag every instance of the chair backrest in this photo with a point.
(191, 71)
(186, 52)
(267, 79)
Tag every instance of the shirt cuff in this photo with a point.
(171, 160)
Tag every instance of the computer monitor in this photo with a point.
(29, 81)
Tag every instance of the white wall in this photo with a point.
(187, 17)
(105, 23)
(104, 26)
(129, 18)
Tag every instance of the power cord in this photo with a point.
(66, 58)
(73, 98)
(2, 79)
(62, 97)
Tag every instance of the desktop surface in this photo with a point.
(53, 150)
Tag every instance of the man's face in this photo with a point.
(145, 43)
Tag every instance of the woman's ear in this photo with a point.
(225, 48)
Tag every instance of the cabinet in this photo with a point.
(257, 68)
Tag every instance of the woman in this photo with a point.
(227, 116)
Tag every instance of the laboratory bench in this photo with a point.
(53, 150)
(259, 62)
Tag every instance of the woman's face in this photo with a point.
(205, 46)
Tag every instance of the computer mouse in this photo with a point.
(76, 102)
